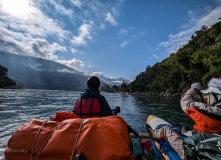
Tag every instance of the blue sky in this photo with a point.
(114, 38)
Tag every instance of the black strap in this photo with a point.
(91, 106)
(131, 130)
(202, 99)
(214, 95)
(88, 114)
(211, 115)
(81, 109)
(139, 156)
(101, 107)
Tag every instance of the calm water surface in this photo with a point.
(20, 106)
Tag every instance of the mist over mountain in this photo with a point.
(38, 73)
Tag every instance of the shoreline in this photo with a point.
(163, 94)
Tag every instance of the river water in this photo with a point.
(20, 106)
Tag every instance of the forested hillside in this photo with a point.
(197, 61)
(5, 82)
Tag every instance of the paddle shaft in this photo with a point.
(166, 157)
(141, 135)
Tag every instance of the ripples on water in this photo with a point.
(20, 106)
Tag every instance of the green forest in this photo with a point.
(197, 61)
(5, 81)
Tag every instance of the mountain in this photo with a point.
(38, 73)
(114, 81)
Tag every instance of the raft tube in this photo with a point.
(157, 123)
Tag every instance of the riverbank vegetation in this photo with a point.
(5, 81)
(197, 61)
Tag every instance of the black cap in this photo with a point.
(93, 82)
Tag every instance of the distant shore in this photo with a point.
(35, 90)
(164, 94)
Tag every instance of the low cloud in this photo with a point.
(66, 70)
(25, 44)
(41, 48)
(25, 30)
(98, 74)
(72, 63)
(195, 23)
(110, 18)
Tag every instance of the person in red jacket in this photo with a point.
(92, 103)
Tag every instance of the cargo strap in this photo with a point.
(44, 142)
(33, 147)
(82, 122)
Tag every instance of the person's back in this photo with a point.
(92, 103)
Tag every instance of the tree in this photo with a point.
(5, 82)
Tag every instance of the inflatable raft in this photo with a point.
(70, 138)
(163, 149)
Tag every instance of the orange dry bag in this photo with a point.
(103, 138)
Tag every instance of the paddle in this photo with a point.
(149, 136)
(116, 110)
(162, 153)
(141, 135)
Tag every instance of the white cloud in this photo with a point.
(31, 29)
(84, 33)
(142, 33)
(18, 9)
(25, 44)
(41, 48)
(31, 21)
(73, 50)
(126, 32)
(66, 70)
(77, 3)
(123, 45)
(102, 26)
(92, 66)
(195, 23)
(98, 74)
(155, 56)
(110, 18)
(72, 63)
(123, 32)
(60, 8)
(120, 82)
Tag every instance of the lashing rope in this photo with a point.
(77, 139)
(33, 147)
(46, 141)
